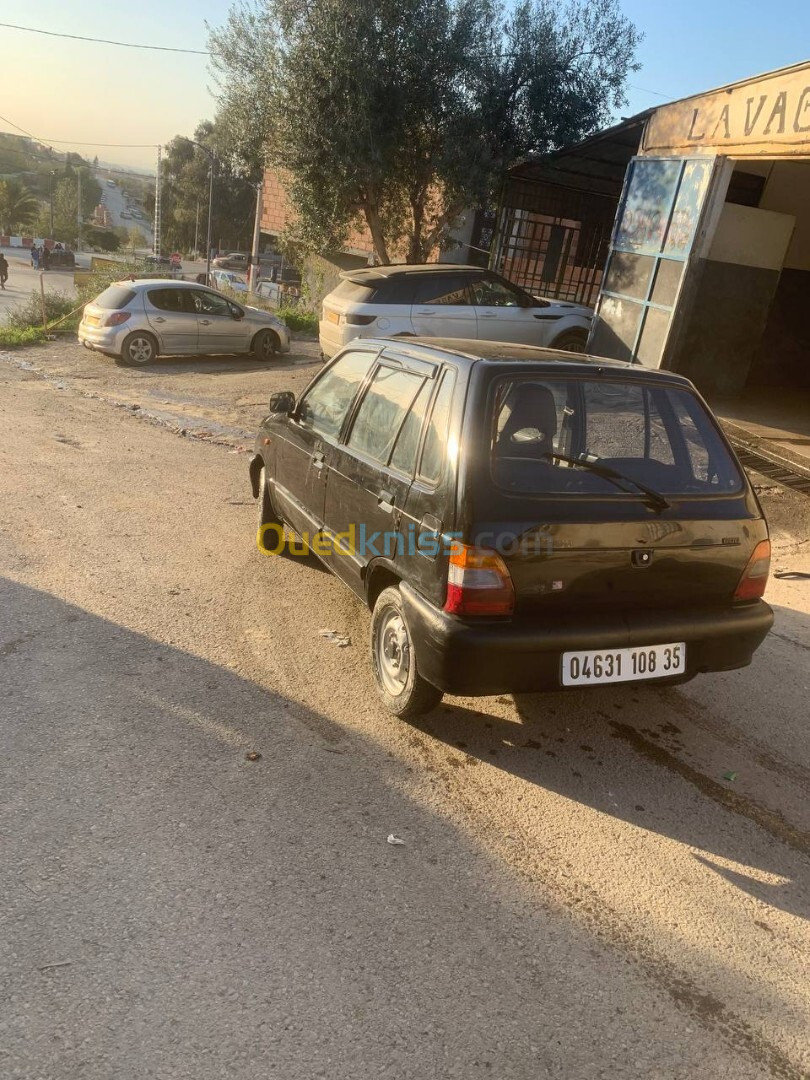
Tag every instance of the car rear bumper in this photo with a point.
(513, 657)
(105, 338)
(332, 338)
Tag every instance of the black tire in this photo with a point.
(572, 341)
(140, 347)
(265, 345)
(402, 689)
(265, 512)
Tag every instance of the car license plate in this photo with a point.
(332, 316)
(623, 665)
(91, 320)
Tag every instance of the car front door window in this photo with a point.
(326, 404)
(212, 304)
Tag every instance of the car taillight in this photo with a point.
(117, 318)
(755, 576)
(478, 582)
(359, 320)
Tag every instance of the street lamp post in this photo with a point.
(211, 157)
(53, 173)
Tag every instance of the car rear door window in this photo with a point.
(444, 289)
(396, 290)
(172, 300)
(383, 410)
(407, 444)
(434, 450)
(325, 405)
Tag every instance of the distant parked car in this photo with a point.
(448, 301)
(234, 260)
(59, 259)
(141, 320)
(227, 279)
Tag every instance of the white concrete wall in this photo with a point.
(747, 236)
(787, 190)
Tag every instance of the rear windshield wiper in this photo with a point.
(654, 499)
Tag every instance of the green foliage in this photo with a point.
(66, 204)
(13, 338)
(29, 314)
(185, 193)
(18, 207)
(403, 113)
(299, 320)
(104, 239)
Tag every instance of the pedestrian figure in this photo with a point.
(34, 255)
(45, 258)
(3, 271)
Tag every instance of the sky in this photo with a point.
(81, 92)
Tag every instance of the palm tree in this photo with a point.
(18, 207)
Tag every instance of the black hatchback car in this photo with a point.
(518, 519)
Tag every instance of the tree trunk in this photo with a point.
(376, 230)
(416, 253)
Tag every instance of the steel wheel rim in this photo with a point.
(266, 346)
(393, 648)
(140, 350)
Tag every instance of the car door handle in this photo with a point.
(426, 313)
(205, 322)
(386, 502)
(159, 318)
(487, 315)
(317, 460)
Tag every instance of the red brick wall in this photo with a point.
(277, 214)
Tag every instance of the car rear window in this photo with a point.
(114, 298)
(353, 290)
(553, 436)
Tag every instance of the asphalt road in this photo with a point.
(581, 893)
(113, 198)
(23, 279)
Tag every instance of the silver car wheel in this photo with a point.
(140, 350)
(393, 648)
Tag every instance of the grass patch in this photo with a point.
(300, 322)
(12, 337)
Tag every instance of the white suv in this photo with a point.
(443, 300)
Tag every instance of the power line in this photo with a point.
(644, 90)
(6, 120)
(76, 142)
(105, 41)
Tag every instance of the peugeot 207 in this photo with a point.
(518, 519)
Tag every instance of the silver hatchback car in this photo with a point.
(141, 320)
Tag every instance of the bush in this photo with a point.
(299, 321)
(29, 314)
(12, 337)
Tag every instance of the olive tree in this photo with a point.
(403, 113)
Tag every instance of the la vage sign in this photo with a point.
(768, 117)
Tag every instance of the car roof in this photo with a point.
(379, 273)
(471, 351)
(145, 283)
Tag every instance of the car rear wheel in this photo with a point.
(572, 341)
(265, 344)
(402, 689)
(139, 348)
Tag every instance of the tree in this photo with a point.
(18, 207)
(406, 112)
(104, 239)
(184, 192)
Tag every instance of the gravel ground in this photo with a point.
(581, 893)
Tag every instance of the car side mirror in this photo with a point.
(237, 313)
(283, 402)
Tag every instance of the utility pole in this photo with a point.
(53, 173)
(253, 276)
(79, 211)
(156, 239)
(197, 231)
(210, 218)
